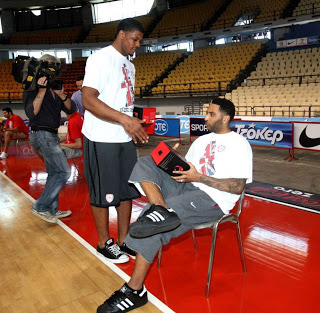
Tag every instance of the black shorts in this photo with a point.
(107, 167)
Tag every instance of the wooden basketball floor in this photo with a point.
(53, 268)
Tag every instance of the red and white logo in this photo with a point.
(109, 197)
(207, 160)
(127, 83)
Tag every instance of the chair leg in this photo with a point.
(159, 257)
(76, 165)
(17, 146)
(211, 257)
(194, 239)
(20, 150)
(244, 268)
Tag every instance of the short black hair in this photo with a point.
(80, 77)
(129, 25)
(225, 106)
(7, 110)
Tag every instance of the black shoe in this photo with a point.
(155, 220)
(127, 250)
(112, 252)
(124, 300)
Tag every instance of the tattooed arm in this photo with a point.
(232, 185)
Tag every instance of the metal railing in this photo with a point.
(190, 88)
(306, 111)
(284, 80)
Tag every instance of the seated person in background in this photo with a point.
(220, 166)
(77, 96)
(73, 141)
(14, 128)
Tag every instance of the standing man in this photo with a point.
(110, 132)
(14, 128)
(220, 166)
(77, 96)
(43, 106)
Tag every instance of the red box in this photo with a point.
(147, 114)
(169, 159)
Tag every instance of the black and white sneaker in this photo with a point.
(155, 220)
(112, 252)
(127, 250)
(124, 300)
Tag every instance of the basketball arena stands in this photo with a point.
(9, 88)
(259, 77)
(189, 19)
(70, 72)
(284, 83)
(106, 31)
(49, 37)
(306, 7)
(209, 69)
(246, 10)
(152, 66)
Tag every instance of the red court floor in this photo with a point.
(281, 246)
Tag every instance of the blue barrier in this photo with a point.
(184, 122)
(169, 127)
(270, 134)
(273, 134)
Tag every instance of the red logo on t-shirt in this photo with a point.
(127, 84)
(207, 159)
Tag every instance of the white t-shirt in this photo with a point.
(221, 156)
(113, 75)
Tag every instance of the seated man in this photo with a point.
(220, 166)
(14, 128)
(73, 145)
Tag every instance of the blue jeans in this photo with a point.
(58, 169)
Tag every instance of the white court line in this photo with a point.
(154, 300)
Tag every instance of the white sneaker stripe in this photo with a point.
(120, 307)
(156, 216)
(159, 215)
(128, 300)
(124, 303)
(153, 218)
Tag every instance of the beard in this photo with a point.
(216, 127)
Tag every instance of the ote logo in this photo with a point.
(184, 124)
(161, 127)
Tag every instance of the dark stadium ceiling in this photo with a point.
(39, 4)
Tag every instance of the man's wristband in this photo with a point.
(39, 97)
(65, 99)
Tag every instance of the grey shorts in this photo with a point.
(72, 153)
(107, 167)
(192, 205)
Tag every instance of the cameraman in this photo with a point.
(43, 107)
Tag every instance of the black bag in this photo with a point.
(24, 71)
(17, 67)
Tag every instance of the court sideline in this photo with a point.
(43, 268)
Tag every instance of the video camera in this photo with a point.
(27, 71)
